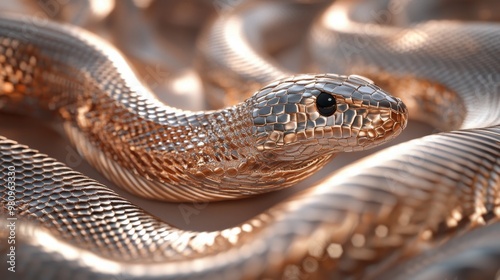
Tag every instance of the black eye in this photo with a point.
(326, 104)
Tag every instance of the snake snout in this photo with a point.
(387, 118)
(306, 116)
(378, 116)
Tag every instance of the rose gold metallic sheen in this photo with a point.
(268, 142)
(272, 140)
(448, 73)
(362, 222)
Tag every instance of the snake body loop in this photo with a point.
(361, 222)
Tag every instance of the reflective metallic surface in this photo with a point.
(167, 154)
(448, 74)
(384, 217)
(474, 255)
(235, 52)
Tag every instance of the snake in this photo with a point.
(375, 218)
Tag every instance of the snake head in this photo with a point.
(308, 116)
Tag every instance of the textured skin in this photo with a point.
(349, 221)
(474, 255)
(448, 74)
(270, 141)
(231, 59)
(358, 223)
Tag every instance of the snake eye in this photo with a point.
(326, 104)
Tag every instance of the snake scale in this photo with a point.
(409, 211)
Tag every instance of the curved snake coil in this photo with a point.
(378, 211)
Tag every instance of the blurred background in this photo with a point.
(159, 39)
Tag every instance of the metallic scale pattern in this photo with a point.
(163, 153)
(375, 219)
(475, 255)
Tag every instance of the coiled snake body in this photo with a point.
(377, 211)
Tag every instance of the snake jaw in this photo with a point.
(289, 126)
